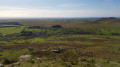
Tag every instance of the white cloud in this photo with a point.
(26, 12)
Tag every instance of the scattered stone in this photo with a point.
(44, 50)
(17, 63)
(60, 50)
(25, 56)
(1, 65)
(38, 58)
(54, 50)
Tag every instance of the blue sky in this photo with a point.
(59, 8)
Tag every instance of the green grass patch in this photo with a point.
(11, 30)
(12, 54)
(38, 40)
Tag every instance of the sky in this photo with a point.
(59, 8)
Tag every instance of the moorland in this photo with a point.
(60, 42)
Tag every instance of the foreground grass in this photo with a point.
(12, 54)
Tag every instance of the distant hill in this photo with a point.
(108, 20)
(10, 23)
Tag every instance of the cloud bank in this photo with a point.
(27, 12)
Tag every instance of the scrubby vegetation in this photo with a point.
(67, 43)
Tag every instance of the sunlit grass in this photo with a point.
(11, 30)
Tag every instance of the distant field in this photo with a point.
(70, 23)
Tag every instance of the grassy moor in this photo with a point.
(60, 42)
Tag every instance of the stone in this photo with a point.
(25, 56)
(38, 58)
(1, 65)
